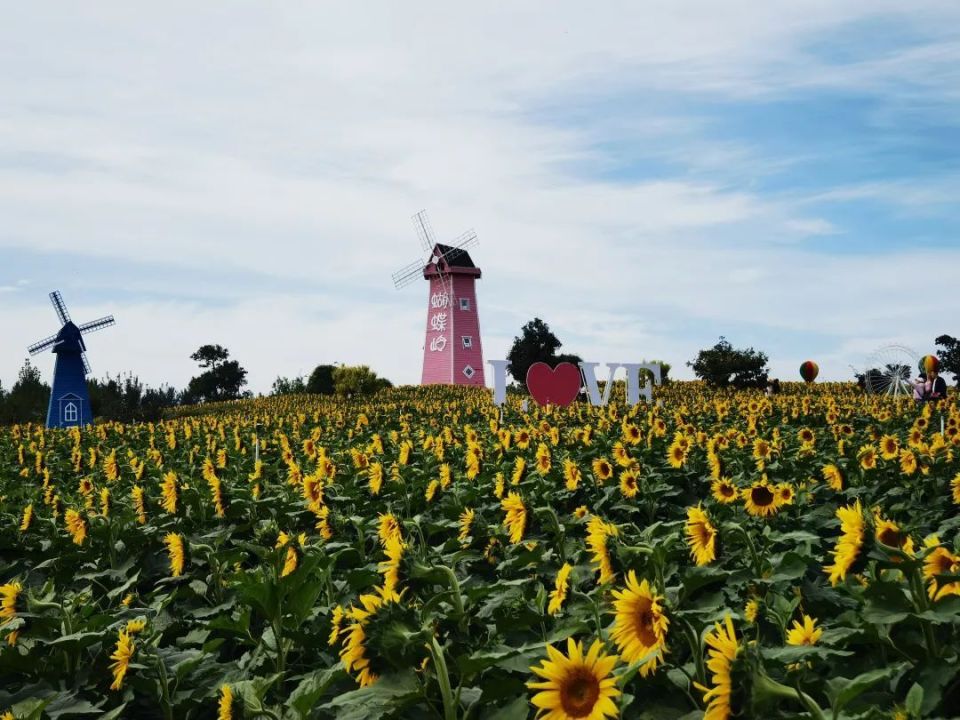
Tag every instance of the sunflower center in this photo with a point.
(890, 537)
(762, 496)
(644, 627)
(728, 490)
(579, 692)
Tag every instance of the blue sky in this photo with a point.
(645, 177)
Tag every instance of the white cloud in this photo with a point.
(295, 141)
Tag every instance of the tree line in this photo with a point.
(125, 398)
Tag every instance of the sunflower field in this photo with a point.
(426, 554)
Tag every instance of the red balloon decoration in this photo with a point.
(809, 371)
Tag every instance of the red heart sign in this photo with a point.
(553, 386)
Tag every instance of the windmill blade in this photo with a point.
(466, 241)
(86, 364)
(100, 324)
(42, 345)
(60, 307)
(463, 243)
(424, 231)
(408, 274)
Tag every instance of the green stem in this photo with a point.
(773, 688)
(686, 690)
(922, 603)
(443, 678)
(693, 639)
(454, 589)
(164, 690)
(754, 557)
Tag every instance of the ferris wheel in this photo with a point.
(888, 371)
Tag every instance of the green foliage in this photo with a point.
(222, 379)
(471, 615)
(125, 399)
(949, 356)
(536, 343)
(321, 380)
(28, 398)
(357, 381)
(723, 366)
(288, 386)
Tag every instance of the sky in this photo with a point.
(643, 176)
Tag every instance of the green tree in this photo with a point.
(950, 356)
(320, 381)
(723, 366)
(28, 398)
(126, 399)
(647, 376)
(536, 343)
(288, 386)
(357, 380)
(221, 380)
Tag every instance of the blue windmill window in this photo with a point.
(70, 413)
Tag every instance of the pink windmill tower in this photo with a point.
(452, 353)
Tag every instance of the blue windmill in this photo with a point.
(69, 399)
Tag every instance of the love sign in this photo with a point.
(553, 386)
(561, 385)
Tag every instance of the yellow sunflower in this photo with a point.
(390, 568)
(908, 462)
(805, 633)
(889, 447)
(559, 593)
(785, 493)
(169, 491)
(867, 455)
(571, 474)
(628, 484)
(175, 550)
(9, 593)
(388, 527)
(676, 455)
(466, 523)
(519, 466)
(225, 706)
(761, 499)
(28, 517)
(762, 451)
(544, 460)
(121, 657)
(602, 470)
(76, 525)
(640, 627)
(354, 652)
(375, 477)
(940, 562)
(597, 533)
(724, 491)
(890, 534)
(701, 536)
(575, 686)
(516, 516)
(850, 542)
(833, 477)
(724, 648)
